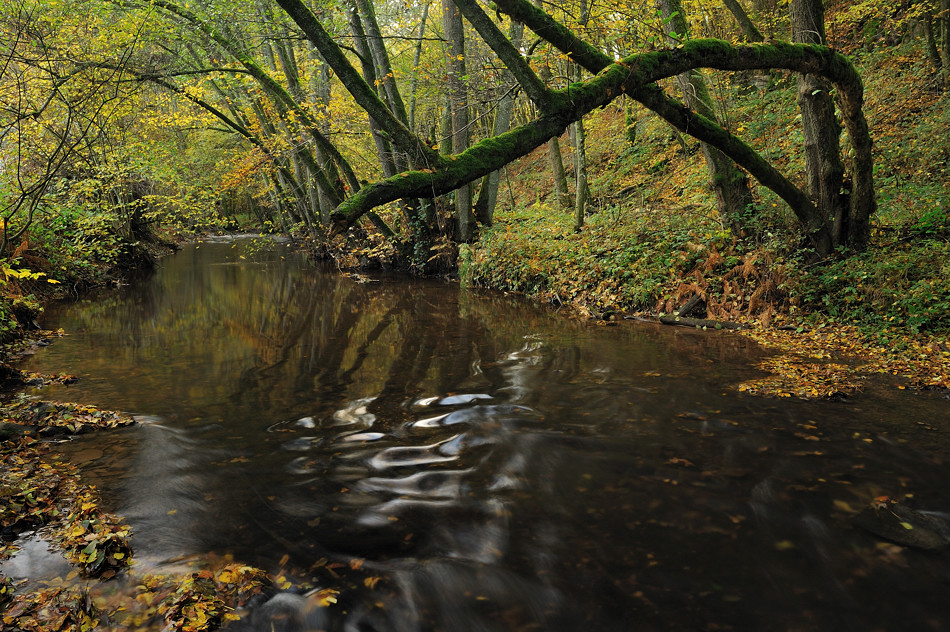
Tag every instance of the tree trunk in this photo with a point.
(751, 33)
(555, 160)
(930, 41)
(455, 35)
(945, 40)
(488, 193)
(416, 59)
(320, 88)
(823, 165)
(384, 69)
(730, 185)
(556, 164)
(384, 150)
(581, 190)
(630, 123)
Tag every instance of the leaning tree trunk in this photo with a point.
(581, 189)
(384, 150)
(416, 60)
(730, 184)
(823, 166)
(555, 161)
(454, 33)
(488, 193)
(749, 31)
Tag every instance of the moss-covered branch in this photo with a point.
(714, 54)
(636, 76)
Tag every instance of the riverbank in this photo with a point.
(44, 495)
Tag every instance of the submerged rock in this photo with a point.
(10, 430)
(900, 524)
(285, 612)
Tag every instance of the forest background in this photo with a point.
(620, 158)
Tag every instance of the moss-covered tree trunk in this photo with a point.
(455, 35)
(749, 31)
(823, 165)
(730, 185)
(488, 192)
(945, 41)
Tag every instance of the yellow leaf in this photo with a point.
(843, 506)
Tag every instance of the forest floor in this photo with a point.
(652, 240)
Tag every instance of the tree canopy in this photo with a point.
(316, 116)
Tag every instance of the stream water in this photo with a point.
(490, 464)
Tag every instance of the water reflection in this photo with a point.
(493, 466)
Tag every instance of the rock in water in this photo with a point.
(285, 612)
(903, 525)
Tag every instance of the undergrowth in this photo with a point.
(652, 239)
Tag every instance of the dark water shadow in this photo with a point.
(491, 465)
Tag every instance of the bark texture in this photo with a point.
(823, 165)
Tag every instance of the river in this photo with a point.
(483, 463)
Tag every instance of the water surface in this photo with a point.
(495, 465)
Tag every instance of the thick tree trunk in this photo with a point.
(455, 35)
(823, 165)
(730, 185)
